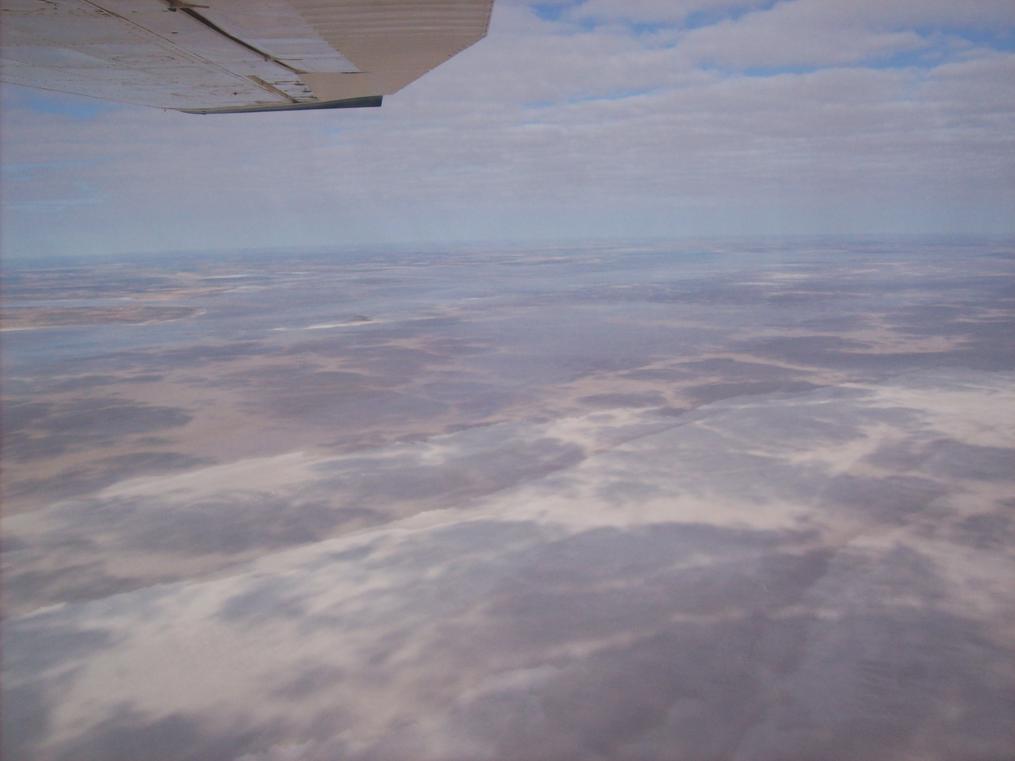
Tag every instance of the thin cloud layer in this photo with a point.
(569, 120)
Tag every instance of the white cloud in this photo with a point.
(543, 129)
(852, 13)
(655, 11)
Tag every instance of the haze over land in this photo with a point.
(740, 499)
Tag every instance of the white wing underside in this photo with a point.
(232, 55)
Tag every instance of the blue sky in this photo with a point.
(598, 119)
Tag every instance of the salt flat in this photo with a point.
(651, 502)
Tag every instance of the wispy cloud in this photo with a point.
(570, 119)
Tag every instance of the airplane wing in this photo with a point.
(227, 56)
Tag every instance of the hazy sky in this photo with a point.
(601, 118)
